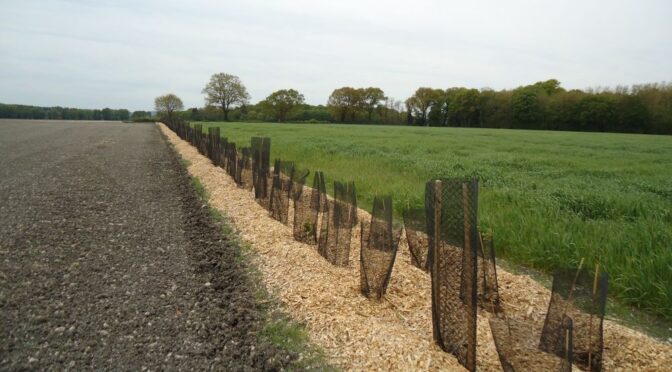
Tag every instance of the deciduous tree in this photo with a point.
(282, 103)
(225, 91)
(343, 102)
(421, 101)
(371, 99)
(166, 105)
(526, 107)
(463, 106)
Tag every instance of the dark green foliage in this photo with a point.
(546, 105)
(141, 116)
(60, 113)
(526, 108)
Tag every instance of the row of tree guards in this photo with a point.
(443, 239)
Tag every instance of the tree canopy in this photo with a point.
(343, 101)
(547, 105)
(225, 91)
(281, 103)
(12, 111)
(371, 100)
(420, 103)
(346, 103)
(167, 105)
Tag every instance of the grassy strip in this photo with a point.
(279, 328)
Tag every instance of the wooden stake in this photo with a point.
(590, 321)
(467, 257)
(437, 200)
(480, 237)
(567, 345)
(576, 277)
(571, 289)
(465, 213)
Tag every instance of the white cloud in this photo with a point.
(124, 53)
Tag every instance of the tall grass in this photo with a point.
(551, 198)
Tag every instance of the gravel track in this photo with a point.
(108, 260)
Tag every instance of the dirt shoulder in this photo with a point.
(109, 260)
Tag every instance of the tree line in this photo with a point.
(546, 105)
(226, 98)
(10, 111)
(645, 108)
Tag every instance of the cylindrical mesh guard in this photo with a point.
(336, 230)
(580, 295)
(415, 225)
(516, 346)
(261, 156)
(451, 211)
(283, 173)
(379, 242)
(213, 144)
(488, 290)
(304, 229)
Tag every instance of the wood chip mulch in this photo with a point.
(396, 332)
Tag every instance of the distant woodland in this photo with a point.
(545, 105)
(62, 113)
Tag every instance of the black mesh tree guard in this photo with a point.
(415, 225)
(178, 126)
(244, 169)
(183, 127)
(261, 155)
(213, 144)
(451, 211)
(307, 209)
(217, 152)
(188, 133)
(225, 154)
(488, 290)
(318, 196)
(337, 224)
(580, 295)
(202, 139)
(266, 202)
(195, 134)
(378, 251)
(223, 148)
(303, 226)
(231, 162)
(198, 137)
(516, 339)
(283, 172)
(204, 145)
(239, 166)
(516, 345)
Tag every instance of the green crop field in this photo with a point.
(551, 198)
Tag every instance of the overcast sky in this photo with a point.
(121, 54)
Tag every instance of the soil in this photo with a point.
(109, 260)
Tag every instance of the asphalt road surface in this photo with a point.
(108, 260)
